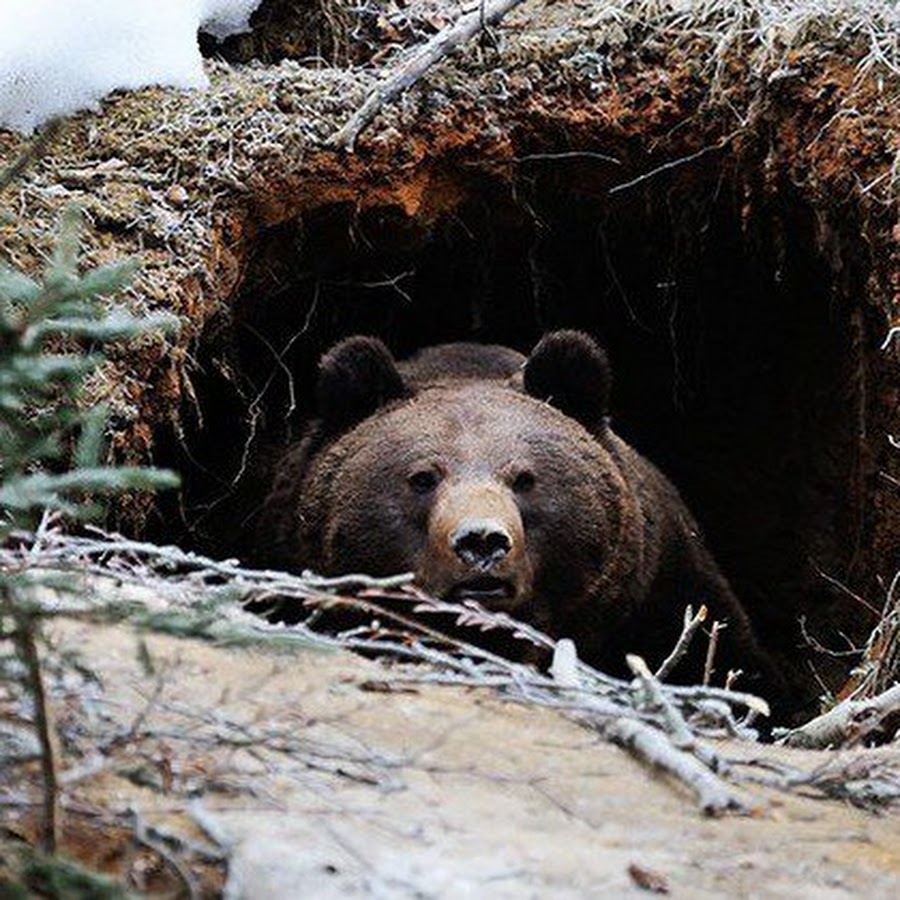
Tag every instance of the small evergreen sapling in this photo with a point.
(52, 335)
(43, 328)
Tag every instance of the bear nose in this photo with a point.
(481, 543)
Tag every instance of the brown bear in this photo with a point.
(499, 479)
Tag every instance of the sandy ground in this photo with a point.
(318, 780)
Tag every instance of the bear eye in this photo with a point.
(523, 482)
(424, 481)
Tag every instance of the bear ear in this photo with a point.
(356, 377)
(570, 370)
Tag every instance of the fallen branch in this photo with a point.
(673, 721)
(845, 723)
(652, 748)
(655, 697)
(485, 13)
(867, 778)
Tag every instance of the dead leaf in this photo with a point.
(648, 879)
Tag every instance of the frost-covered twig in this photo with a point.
(485, 13)
(847, 722)
(674, 721)
(868, 778)
(691, 624)
(650, 745)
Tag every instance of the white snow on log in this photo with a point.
(59, 56)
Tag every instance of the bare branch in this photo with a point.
(410, 71)
(651, 747)
(26, 643)
(842, 724)
(691, 624)
(709, 664)
(674, 721)
(660, 724)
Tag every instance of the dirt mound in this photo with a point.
(305, 773)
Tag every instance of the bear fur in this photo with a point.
(498, 478)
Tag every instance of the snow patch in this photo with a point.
(59, 56)
(222, 18)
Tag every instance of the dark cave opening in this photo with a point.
(733, 349)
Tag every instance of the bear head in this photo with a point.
(488, 484)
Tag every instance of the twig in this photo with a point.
(673, 164)
(567, 154)
(835, 583)
(598, 701)
(407, 73)
(651, 747)
(709, 663)
(621, 726)
(699, 693)
(867, 778)
(26, 643)
(691, 624)
(34, 151)
(166, 557)
(674, 721)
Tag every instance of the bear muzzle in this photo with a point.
(476, 546)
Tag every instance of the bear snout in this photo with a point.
(481, 543)
(475, 545)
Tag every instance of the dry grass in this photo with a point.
(879, 667)
(771, 30)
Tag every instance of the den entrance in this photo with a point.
(734, 343)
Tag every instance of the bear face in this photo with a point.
(474, 504)
(499, 479)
